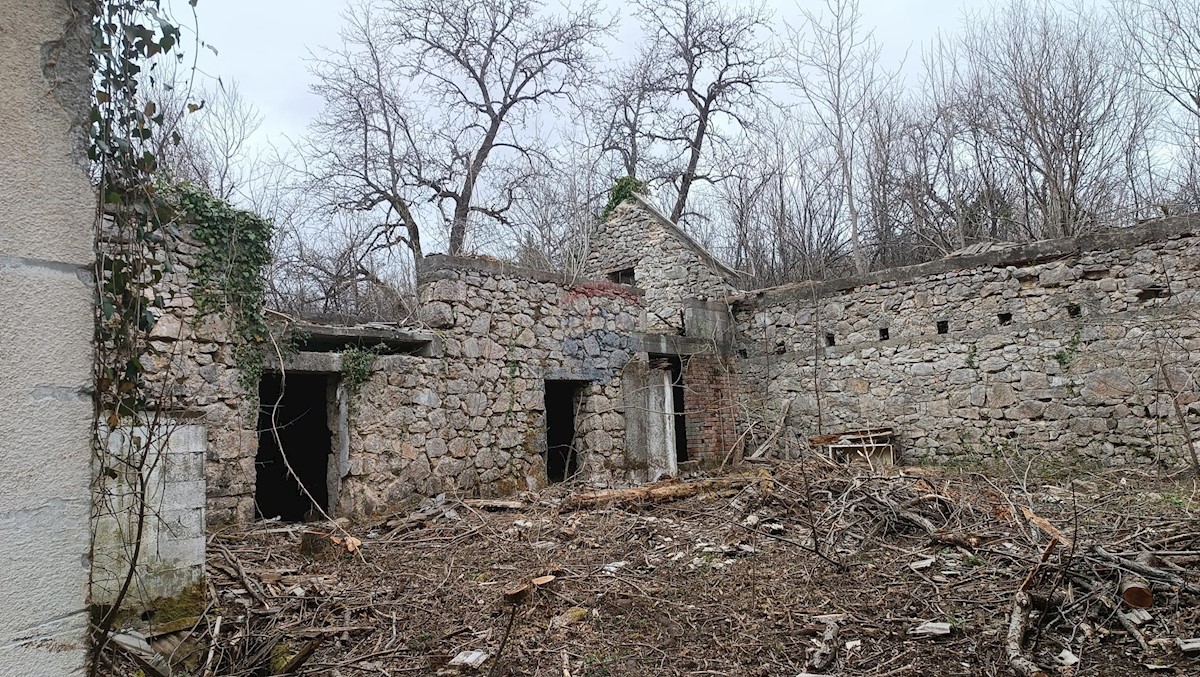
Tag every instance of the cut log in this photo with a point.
(669, 490)
(1136, 592)
(1149, 571)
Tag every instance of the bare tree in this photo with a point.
(1163, 40)
(428, 104)
(783, 203)
(1055, 103)
(835, 67)
(209, 143)
(630, 101)
(713, 63)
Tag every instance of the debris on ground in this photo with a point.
(793, 568)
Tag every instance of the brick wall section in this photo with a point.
(711, 406)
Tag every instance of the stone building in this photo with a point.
(653, 363)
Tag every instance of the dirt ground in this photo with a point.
(776, 569)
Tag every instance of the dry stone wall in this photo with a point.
(194, 354)
(667, 264)
(473, 421)
(1071, 350)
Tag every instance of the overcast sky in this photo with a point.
(263, 44)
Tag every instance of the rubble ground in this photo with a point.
(784, 569)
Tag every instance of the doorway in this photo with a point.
(562, 458)
(293, 432)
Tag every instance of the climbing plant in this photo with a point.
(228, 277)
(134, 227)
(357, 363)
(622, 191)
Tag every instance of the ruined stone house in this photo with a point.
(654, 363)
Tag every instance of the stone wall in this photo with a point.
(473, 421)
(46, 216)
(1055, 349)
(195, 354)
(667, 264)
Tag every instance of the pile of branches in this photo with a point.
(791, 568)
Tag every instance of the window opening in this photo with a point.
(623, 276)
(1005, 319)
(830, 340)
(301, 421)
(884, 334)
(1151, 293)
(1073, 310)
(943, 326)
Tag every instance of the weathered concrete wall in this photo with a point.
(171, 560)
(1055, 349)
(474, 420)
(667, 264)
(46, 216)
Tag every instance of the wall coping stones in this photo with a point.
(436, 267)
(1019, 256)
(407, 339)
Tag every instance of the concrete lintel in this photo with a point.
(320, 337)
(581, 375)
(669, 344)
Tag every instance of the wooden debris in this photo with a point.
(1018, 621)
(668, 490)
(827, 651)
(471, 659)
(516, 593)
(930, 629)
(1136, 592)
(302, 656)
(493, 504)
(1188, 645)
(1051, 530)
(767, 444)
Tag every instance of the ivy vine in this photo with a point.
(134, 223)
(623, 191)
(228, 276)
(357, 363)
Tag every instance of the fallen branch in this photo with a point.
(827, 651)
(669, 490)
(493, 504)
(936, 535)
(1018, 621)
(762, 448)
(1146, 570)
(1051, 530)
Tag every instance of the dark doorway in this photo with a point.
(302, 424)
(674, 365)
(562, 461)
